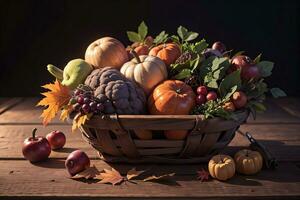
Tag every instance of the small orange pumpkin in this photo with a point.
(168, 52)
(248, 162)
(221, 167)
(106, 51)
(172, 97)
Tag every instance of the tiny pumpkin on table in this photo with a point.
(248, 162)
(221, 167)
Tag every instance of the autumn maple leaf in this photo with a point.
(203, 175)
(89, 173)
(57, 96)
(79, 120)
(114, 177)
(159, 178)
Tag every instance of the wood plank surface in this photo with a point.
(27, 113)
(290, 105)
(21, 180)
(278, 129)
(8, 103)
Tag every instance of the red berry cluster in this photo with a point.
(83, 101)
(204, 95)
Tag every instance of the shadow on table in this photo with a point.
(51, 163)
(65, 150)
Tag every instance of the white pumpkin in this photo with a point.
(146, 71)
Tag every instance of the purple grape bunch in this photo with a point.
(84, 101)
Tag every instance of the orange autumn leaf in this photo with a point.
(57, 96)
(79, 120)
(89, 173)
(114, 177)
(66, 112)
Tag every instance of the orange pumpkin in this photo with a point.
(172, 97)
(168, 52)
(106, 51)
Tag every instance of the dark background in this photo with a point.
(35, 33)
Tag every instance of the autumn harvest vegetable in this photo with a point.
(172, 98)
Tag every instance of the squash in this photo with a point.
(221, 167)
(106, 51)
(172, 97)
(168, 52)
(143, 134)
(248, 162)
(146, 71)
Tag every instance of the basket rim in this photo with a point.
(163, 122)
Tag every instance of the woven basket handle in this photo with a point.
(128, 147)
(195, 137)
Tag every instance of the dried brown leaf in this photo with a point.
(159, 178)
(133, 173)
(111, 176)
(88, 173)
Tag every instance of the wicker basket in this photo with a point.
(113, 137)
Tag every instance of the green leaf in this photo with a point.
(238, 53)
(277, 92)
(161, 38)
(233, 79)
(191, 36)
(259, 107)
(265, 68)
(230, 93)
(143, 30)
(182, 32)
(183, 74)
(195, 63)
(175, 39)
(257, 90)
(134, 37)
(200, 46)
(212, 84)
(257, 59)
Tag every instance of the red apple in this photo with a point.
(56, 139)
(211, 96)
(36, 148)
(250, 72)
(202, 90)
(76, 162)
(239, 99)
(241, 61)
(219, 46)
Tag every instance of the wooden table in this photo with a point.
(278, 129)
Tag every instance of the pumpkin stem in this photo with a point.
(136, 56)
(178, 91)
